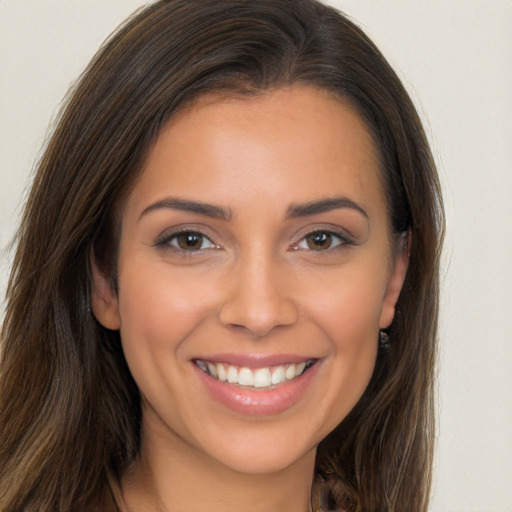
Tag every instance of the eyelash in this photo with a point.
(341, 239)
(165, 241)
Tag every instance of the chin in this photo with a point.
(265, 461)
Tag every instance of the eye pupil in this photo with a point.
(319, 241)
(190, 241)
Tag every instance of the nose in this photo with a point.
(258, 298)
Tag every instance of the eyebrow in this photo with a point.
(218, 212)
(323, 206)
(187, 205)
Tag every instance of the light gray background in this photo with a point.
(455, 57)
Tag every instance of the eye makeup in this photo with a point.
(185, 240)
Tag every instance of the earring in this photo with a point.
(384, 341)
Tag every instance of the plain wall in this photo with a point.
(455, 57)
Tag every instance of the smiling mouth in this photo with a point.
(262, 378)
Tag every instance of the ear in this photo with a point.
(396, 281)
(104, 301)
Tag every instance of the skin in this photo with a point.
(257, 284)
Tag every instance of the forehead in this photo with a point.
(291, 144)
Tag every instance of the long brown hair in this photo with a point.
(69, 409)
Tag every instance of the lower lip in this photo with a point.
(261, 402)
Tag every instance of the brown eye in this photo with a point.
(322, 241)
(190, 241)
(319, 241)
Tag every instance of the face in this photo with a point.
(255, 270)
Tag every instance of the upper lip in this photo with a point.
(255, 360)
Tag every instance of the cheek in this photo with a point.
(348, 314)
(158, 311)
(348, 306)
(153, 298)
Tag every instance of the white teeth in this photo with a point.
(232, 375)
(257, 378)
(279, 375)
(212, 369)
(290, 372)
(246, 377)
(300, 368)
(221, 372)
(262, 378)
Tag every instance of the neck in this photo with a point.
(172, 476)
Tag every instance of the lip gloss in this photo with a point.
(258, 402)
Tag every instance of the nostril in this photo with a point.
(255, 299)
(257, 319)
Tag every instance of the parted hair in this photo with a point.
(70, 413)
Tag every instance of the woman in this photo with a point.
(225, 289)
